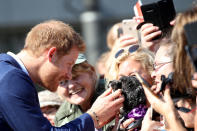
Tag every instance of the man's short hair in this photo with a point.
(53, 33)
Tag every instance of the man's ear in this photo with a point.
(51, 53)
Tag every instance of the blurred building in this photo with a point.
(91, 18)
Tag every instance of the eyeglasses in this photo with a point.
(131, 49)
(159, 65)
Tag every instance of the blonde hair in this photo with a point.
(102, 61)
(85, 67)
(112, 35)
(52, 33)
(182, 64)
(144, 56)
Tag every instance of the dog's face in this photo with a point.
(132, 91)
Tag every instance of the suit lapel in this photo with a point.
(9, 59)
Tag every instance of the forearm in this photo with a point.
(173, 123)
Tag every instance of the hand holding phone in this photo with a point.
(148, 123)
(154, 115)
(159, 13)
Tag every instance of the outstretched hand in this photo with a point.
(163, 106)
(106, 107)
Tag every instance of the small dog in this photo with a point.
(134, 98)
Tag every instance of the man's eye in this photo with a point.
(63, 83)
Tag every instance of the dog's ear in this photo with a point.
(116, 84)
(123, 78)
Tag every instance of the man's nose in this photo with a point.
(68, 75)
(71, 84)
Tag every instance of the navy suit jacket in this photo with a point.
(19, 105)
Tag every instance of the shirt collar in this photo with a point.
(19, 62)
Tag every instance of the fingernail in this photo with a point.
(156, 28)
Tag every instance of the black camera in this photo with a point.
(135, 99)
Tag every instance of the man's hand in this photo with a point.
(106, 107)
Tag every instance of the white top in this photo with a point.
(19, 62)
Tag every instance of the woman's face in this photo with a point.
(130, 66)
(163, 66)
(79, 90)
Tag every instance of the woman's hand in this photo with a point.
(126, 123)
(163, 106)
(148, 124)
(148, 33)
(124, 41)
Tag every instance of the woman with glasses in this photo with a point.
(184, 69)
(181, 103)
(129, 60)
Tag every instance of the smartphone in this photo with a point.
(159, 14)
(151, 14)
(154, 115)
(129, 27)
(167, 9)
(191, 47)
(135, 124)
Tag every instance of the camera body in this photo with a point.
(134, 96)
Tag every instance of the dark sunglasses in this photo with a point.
(131, 49)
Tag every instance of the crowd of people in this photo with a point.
(80, 97)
